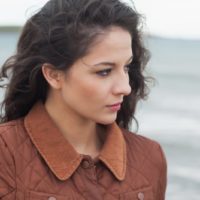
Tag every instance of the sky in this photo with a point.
(166, 18)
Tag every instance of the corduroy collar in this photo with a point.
(60, 155)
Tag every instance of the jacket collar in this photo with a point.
(60, 155)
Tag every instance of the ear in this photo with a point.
(52, 75)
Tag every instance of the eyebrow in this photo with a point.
(111, 63)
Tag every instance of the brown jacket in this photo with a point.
(37, 163)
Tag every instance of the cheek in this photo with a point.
(87, 90)
(93, 89)
(91, 92)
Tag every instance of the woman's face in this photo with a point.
(99, 79)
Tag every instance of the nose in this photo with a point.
(121, 85)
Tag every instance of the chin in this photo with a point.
(107, 121)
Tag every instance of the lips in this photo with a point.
(116, 104)
(115, 107)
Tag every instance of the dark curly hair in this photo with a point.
(60, 33)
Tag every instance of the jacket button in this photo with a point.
(52, 198)
(85, 164)
(141, 196)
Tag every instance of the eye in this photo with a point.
(127, 68)
(104, 72)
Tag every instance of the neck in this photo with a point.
(85, 136)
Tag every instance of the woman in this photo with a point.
(73, 88)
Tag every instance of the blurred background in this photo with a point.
(171, 115)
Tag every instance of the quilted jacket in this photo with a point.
(37, 163)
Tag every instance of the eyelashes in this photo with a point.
(106, 72)
(127, 67)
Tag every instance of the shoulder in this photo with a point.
(141, 144)
(10, 137)
(7, 126)
(12, 133)
(143, 151)
(146, 157)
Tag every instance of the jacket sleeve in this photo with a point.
(163, 176)
(7, 172)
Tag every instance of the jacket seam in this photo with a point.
(161, 170)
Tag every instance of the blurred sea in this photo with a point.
(171, 115)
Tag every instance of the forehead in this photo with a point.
(115, 43)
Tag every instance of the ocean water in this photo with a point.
(171, 115)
